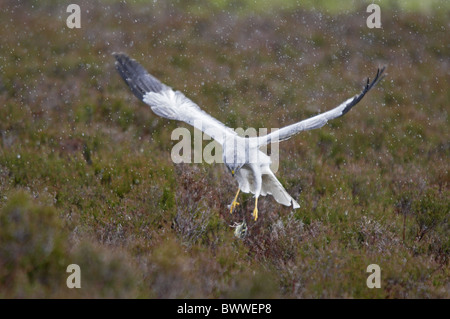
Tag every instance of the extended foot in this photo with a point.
(233, 205)
(255, 213)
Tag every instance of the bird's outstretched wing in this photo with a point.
(321, 119)
(166, 102)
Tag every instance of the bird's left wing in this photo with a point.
(318, 120)
(166, 102)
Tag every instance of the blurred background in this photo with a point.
(86, 176)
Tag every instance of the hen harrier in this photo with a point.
(241, 155)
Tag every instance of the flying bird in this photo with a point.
(241, 155)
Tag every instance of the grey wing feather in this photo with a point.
(321, 119)
(137, 78)
(166, 102)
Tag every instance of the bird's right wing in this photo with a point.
(166, 102)
(321, 119)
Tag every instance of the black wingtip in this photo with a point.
(379, 76)
(375, 81)
(120, 56)
(369, 85)
(135, 76)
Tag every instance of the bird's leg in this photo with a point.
(256, 169)
(234, 203)
(255, 211)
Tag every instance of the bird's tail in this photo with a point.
(272, 186)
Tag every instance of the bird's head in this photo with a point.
(234, 167)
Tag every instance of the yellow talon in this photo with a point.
(255, 211)
(233, 206)
(234, 203)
